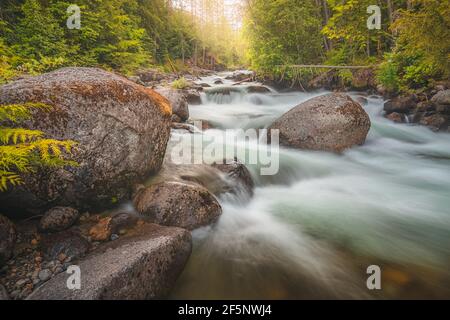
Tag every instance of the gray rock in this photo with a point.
(121, 221)
(332, 122)
(442, 97)
(114, 237)
(396, 117)
(258, 89)
(401, 104)
(58, 219)
(193, 97)
(177, 204)
(436, 122)
(122, 129)
(8, 237)
(69, 242)
(45, 275)
(237, 172)
(177, 100)
(143, 266)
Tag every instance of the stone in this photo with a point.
(69, 242)
(396, 117)
(442, 97)
(45, 275)
(258, 89)
(436, 122)
(58, 219)
(8, 237)
(183, 205)
(121, 128)
(177, 100)
(401, 104)
(141, 266)
(332, 122)
(238, 172)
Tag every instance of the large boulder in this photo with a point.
(177, 100)
(143, 265)
(238, 173)
(332, 122)
(8, 236)
(184, 205)
(122, 129)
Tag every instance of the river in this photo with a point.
(312, 230)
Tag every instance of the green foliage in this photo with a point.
(282, 32)
(23, 150)
(181, 83)
(387, 75)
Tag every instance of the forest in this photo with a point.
(409, 51)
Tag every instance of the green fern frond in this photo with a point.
(20, 112)
(18, 135)
(9, 178)
(23, 150)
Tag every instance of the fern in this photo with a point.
(23, 150)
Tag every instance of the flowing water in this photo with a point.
(312, 230)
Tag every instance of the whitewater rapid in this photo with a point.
(312, 230)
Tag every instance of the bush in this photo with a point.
(387, 75)
(181, 83)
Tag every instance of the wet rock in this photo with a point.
(238, 172)
(138, 267)
(396, 117)
(258, 89)
(362, 100)
(68, 242)
(122, 129)
(3, 293)
(123, 221)
(218, 81)
(193, 97)
(178, 102)
(436, 122)
(177, 204)
(240, 76)
(8, 237)
(425, 106)
(401, 104)
(332, 122)
(205, 85)
(58, 219)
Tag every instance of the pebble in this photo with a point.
(45, 275)
(21, 283)
(114, 237)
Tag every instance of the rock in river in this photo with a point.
(178, 101)
(141, 266)
(332, 122)
(183, 205)
(122, 129)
